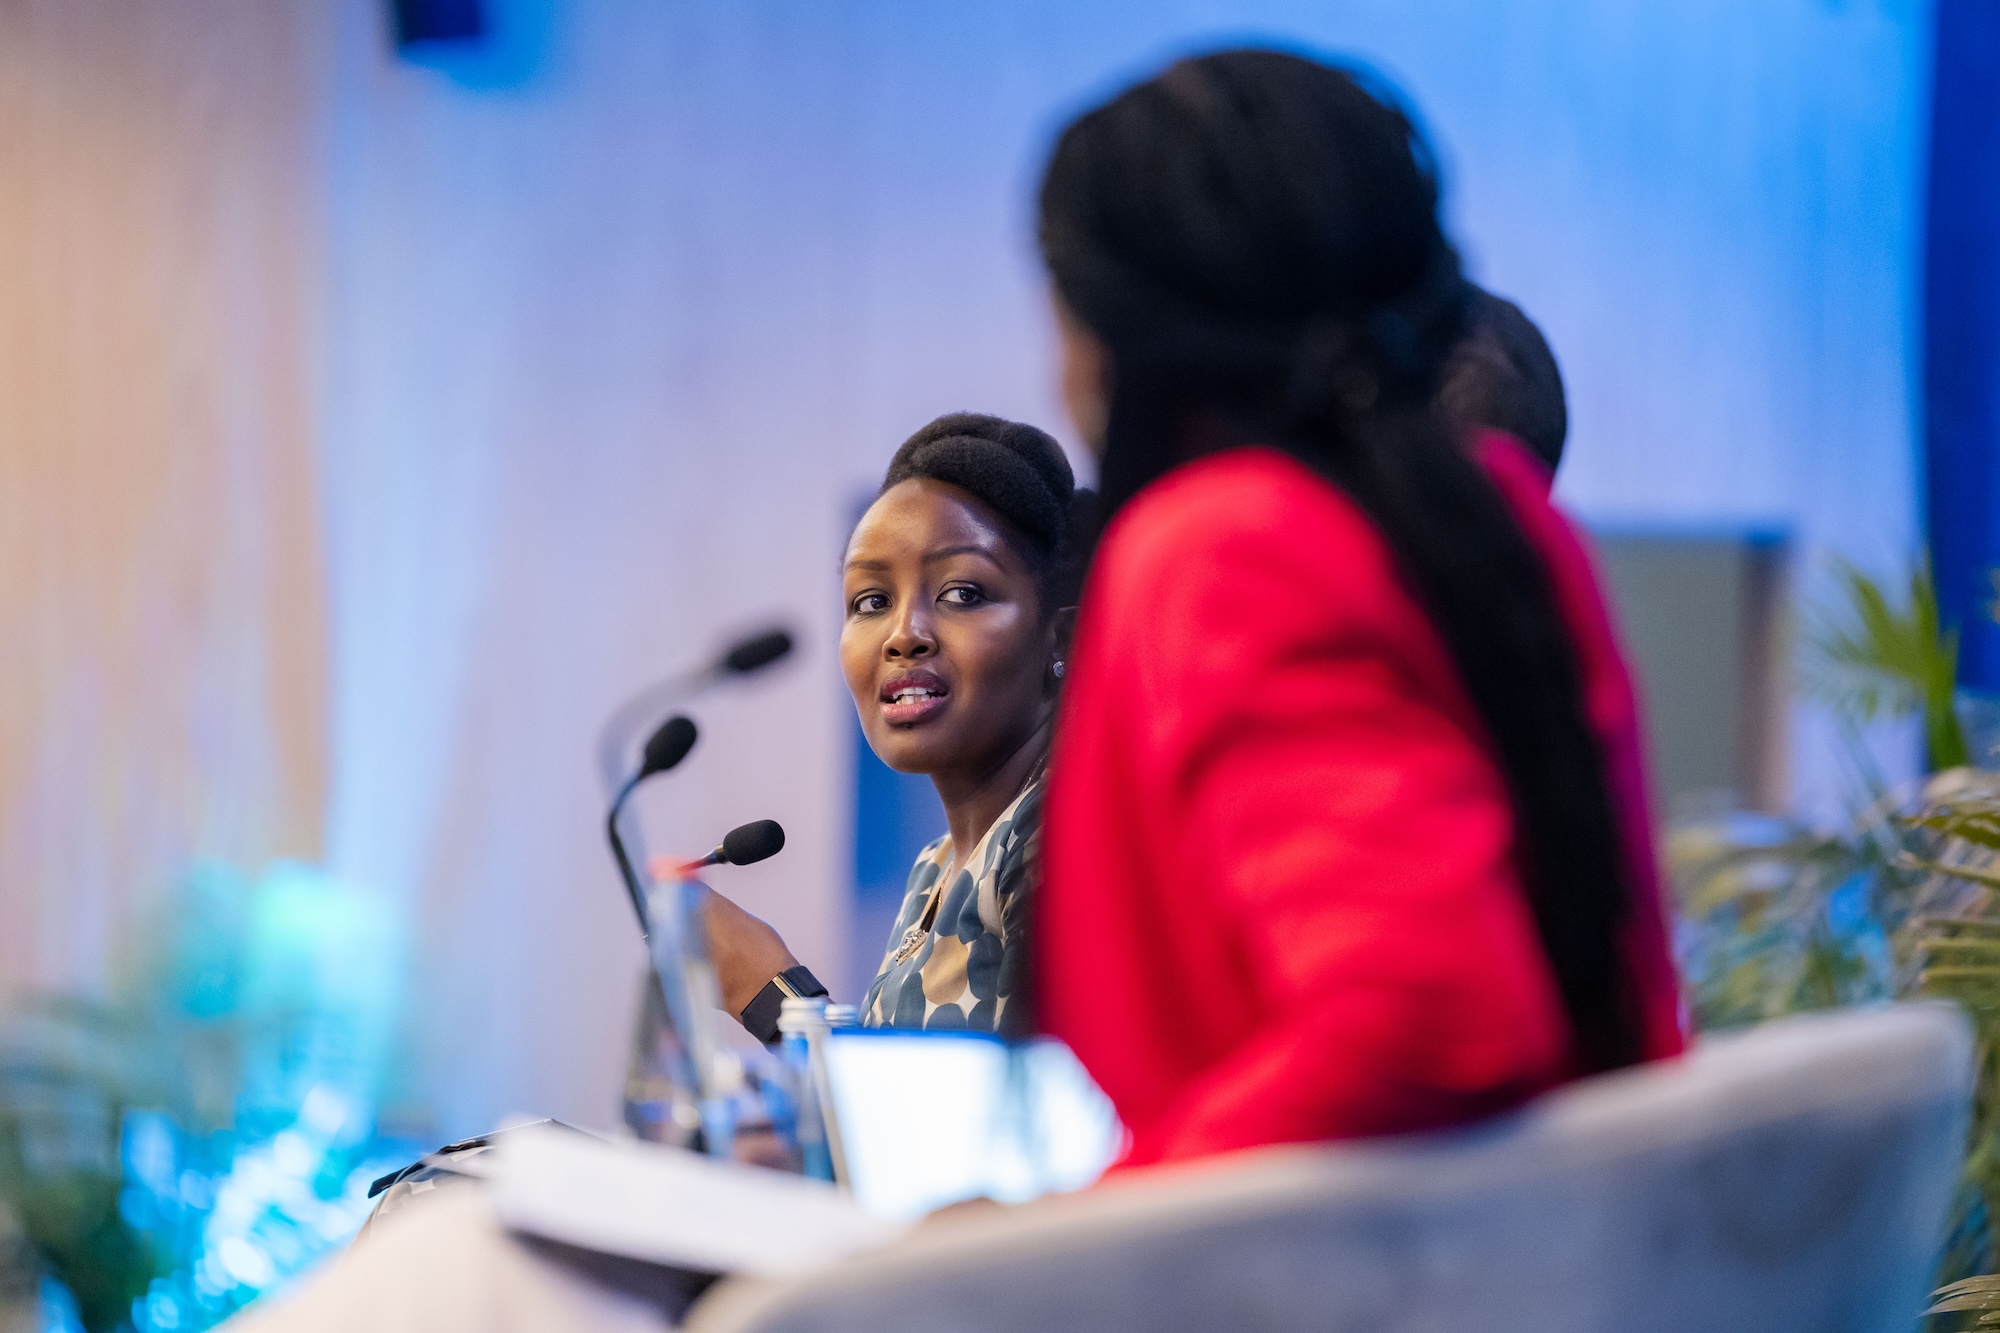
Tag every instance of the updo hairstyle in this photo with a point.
(1021, 474)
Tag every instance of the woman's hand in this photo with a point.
(746, 952)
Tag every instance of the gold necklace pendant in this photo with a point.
(913, 940)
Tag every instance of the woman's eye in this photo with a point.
(960, 594)
(868, 603)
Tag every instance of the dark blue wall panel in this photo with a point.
(1962, 329)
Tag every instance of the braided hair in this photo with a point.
(1254, 237)
(1021, 474)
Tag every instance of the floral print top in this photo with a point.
(958, 950)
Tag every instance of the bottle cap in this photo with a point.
(802, 1013)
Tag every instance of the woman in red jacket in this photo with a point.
(1347, 829)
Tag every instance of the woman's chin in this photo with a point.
(907, 753)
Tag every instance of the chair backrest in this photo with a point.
(1792, 1177)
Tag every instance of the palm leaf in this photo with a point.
(1977, 823)
(1973, 874)
(1869, 659)
(1974, 1293)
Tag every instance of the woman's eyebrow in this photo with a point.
(945, 553)
(942, 553)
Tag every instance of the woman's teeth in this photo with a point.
(911, 695)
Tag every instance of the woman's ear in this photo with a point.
(1061, 626)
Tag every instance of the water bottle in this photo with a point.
(801, 1038)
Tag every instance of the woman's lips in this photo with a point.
(911, 697)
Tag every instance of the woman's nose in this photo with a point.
(911, 637)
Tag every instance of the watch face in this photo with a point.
(800, 983)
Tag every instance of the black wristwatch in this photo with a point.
(760, 1016)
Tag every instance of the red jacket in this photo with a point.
(1280, 901)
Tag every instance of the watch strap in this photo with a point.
(760, 1016)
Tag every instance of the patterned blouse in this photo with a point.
(957, 951)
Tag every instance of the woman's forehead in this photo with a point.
(921, 517)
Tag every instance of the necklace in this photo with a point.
(913, 938)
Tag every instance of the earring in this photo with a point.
(1058, 668)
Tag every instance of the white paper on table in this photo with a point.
(667, 1206)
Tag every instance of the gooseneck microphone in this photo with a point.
(746, 845)
(742, 658)
(755, 653)
(666, 747)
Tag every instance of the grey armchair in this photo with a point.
(1791, 1178)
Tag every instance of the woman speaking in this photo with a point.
(1347, 829)
(957, 584)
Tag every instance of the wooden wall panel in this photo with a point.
(161, 626)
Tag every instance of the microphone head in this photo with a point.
(757, 652)
(753, 842)
(668, 745)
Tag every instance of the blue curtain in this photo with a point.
(1962, 330)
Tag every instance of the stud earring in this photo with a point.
(1058, 669)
